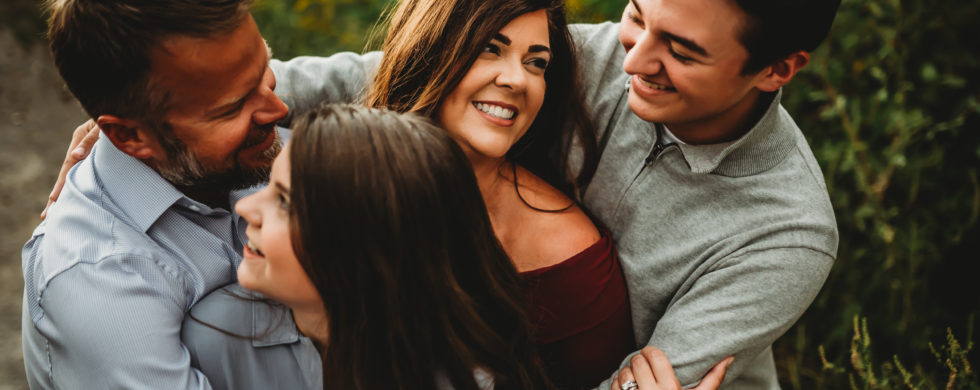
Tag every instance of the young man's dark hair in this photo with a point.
(775, 29)
(102, 48)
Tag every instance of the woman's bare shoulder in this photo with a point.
(550, 237)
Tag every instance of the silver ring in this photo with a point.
(629, 385)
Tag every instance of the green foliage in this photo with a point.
(891, 108)
(317, 27)
(953, 371)
(595, 11)
(321, 27)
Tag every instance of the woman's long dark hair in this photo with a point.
(430, 46)
(388, 221)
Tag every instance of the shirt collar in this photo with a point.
(760, 149)
(136, 188)
(272, 323)
(668, 137)
(142, 193)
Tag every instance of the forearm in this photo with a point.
(737, 308)
(304, 83)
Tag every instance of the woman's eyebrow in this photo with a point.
(637, 6)
(532, 49)
(502, 38)
(538, 49)
(282, 188)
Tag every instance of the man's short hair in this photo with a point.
(102, 48)
(774, 29)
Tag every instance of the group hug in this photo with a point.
(494, 200)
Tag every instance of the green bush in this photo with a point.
(890, 106)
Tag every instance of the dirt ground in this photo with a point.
(37, 116)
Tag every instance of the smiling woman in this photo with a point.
(500, 77)
(501, 94)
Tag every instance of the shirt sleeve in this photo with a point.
(115, 324)
(739, 307)
(303, 83)
(600, 65)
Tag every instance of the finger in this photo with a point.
(712, 380)
(44, 213)
(625, 375)
(58, 186)
(643, 372)
(662, 369)
(60, 182)
(83, 139)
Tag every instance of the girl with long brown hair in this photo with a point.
(373, 232)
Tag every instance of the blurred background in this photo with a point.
(890, 104)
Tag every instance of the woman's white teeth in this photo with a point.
(254, 248)
(496, 111)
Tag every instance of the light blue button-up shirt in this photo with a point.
(111, 273)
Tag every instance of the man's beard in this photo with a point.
(185, 171)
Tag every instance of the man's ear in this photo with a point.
(777, 75)
(130, 137)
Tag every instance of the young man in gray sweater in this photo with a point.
(721, 216)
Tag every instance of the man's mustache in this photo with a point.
(259, 135)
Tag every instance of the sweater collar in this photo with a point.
(761, 148)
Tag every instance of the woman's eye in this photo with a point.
(539, 64)
(492, 49)
(633, 18)
(283, 202)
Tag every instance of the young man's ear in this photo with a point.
(130, 137)
(780, 73)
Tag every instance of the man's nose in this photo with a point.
(644, 56)
(272, 110)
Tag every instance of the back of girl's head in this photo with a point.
(431, 45)
(390, 225)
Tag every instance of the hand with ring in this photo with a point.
(651, 370)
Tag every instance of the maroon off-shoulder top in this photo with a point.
(579, 310)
